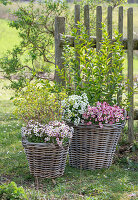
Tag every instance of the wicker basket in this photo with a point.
(46, 160)
(93, 147)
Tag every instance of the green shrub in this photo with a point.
(11, 192)
(39, 102)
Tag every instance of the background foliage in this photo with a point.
(33, 58)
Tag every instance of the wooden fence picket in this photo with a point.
(98, 27)
(120, 30)
(87, 19)
(77, 19)
(130, 71)
(59, 29)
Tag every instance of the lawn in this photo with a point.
(8, 37)
(116, 183)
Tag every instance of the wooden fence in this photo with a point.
(129, 44)
(132, 1)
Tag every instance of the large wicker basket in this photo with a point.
(93, 147)
(46, 160)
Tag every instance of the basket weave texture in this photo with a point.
(46, 160)
(93, 147)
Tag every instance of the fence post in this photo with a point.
(98, 27)
(130, 72)
(77, 19)
(120, 30)
(59, 29)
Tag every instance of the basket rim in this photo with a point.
(82, 125)
(115, 125)
(42, 144)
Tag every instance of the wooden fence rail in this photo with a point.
(94, 41)
(129, 44)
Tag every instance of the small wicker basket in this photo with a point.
(46, 160)
(93, 147)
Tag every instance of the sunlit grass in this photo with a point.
(8, 37)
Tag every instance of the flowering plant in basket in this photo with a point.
(76, 109)
(96, 131)
(45, 137)
(103, 113)
(55, 132)
(41, 110)
(73, 108)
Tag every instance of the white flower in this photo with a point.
(73, 107)
(76, 105)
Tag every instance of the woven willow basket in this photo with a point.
(46, 160)
(93, 147)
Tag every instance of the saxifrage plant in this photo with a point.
(77, 110)
(73, 108)
(102, 114)
(54, 132)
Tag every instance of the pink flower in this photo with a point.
(101, 125)
(103, 113)
(105, 104)
(89, 123)
(99, 118)
(98, 104)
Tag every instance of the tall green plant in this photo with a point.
(100, 75)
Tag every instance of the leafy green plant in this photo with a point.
(11, 192)
(100, 75)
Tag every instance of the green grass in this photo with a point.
(115, 183)
(8, 37)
